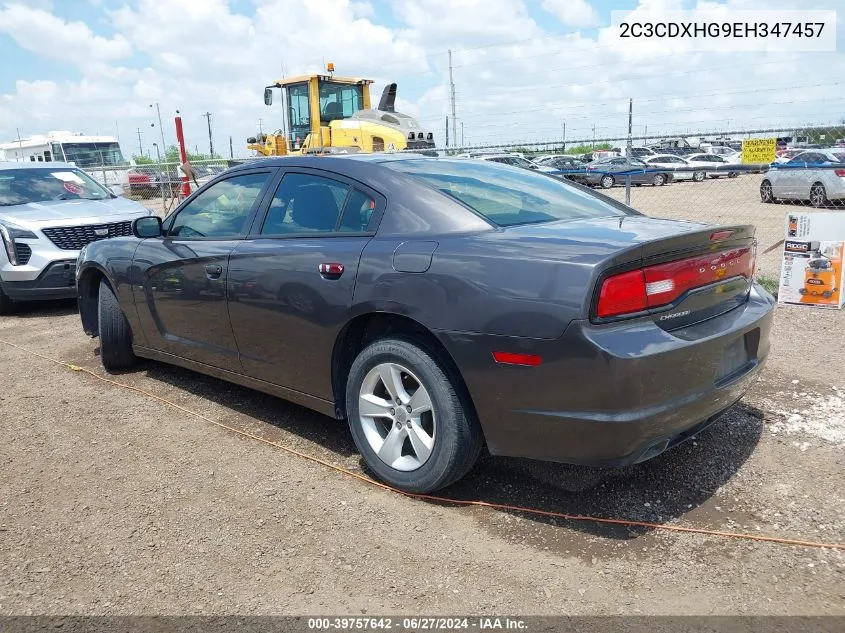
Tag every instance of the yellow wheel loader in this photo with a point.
(329, 114)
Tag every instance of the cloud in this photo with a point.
(516, 79)
(41, 32)
(572, 12)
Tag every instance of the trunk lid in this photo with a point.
(710, 271)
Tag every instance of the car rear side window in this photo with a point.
(507, 196)
(307, 203)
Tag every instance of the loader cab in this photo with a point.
(312, 102)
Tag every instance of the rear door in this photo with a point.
(180, 289)
(291, 282)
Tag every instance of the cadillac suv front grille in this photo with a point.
(72, 238)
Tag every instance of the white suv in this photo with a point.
(48, 212)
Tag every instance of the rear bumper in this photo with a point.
(57, 281)
(612, 395)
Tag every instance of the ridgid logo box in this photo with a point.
(813, 250)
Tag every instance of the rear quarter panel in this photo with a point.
(479, 285)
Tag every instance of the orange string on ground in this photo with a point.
(437, 498)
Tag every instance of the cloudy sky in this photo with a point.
(521, 67)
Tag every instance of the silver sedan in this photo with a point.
(817, 175)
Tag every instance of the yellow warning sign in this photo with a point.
(759, 150)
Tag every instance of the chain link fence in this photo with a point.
(699, 177)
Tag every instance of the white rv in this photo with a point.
(100, 156)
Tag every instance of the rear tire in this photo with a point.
(390, 438)
(698, 176)
(5, 302)
(766, 193)
(115, 334)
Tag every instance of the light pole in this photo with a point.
(160, 172)
(160, 126)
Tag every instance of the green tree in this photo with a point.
(583, 149)
(140, 159)
(172, 156)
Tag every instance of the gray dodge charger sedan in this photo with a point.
(441, 305)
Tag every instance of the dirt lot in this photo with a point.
(115, 503)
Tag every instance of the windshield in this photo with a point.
(20, 186)
(507, 196)
(339, 101)
(86, 155)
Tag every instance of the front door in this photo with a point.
(291, 283)
(181, 277)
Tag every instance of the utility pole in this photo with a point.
(564, 136)
(140, 146)
(260, 129)
(452, 93)
(117, 132)
(462, 134)
(447, 131)
(630, 125)
(594, 136)
(207, 116)
(231, 149)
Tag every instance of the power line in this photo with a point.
(662, 97)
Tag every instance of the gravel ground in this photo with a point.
(114, 503)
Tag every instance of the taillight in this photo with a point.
(622, 294)
(661, 284)
(839, 172)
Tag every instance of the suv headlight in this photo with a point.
(9, 233)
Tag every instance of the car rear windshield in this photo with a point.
(507, 196)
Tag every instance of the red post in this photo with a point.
(183, 158)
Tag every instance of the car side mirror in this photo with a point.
(148, 226)
(117, 190)
(268, 96)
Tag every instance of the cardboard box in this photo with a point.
(813, 250)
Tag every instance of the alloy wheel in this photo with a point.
(397, 416)
(818, 196)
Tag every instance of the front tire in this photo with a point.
(115, 335)
(607, 181)
(659, 180)
(766, 193)
(698, 176)
(408, 419)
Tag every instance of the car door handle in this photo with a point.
(331, 270)
(213, 271)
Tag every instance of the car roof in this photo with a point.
(6, 165)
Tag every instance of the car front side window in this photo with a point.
(222, 210)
